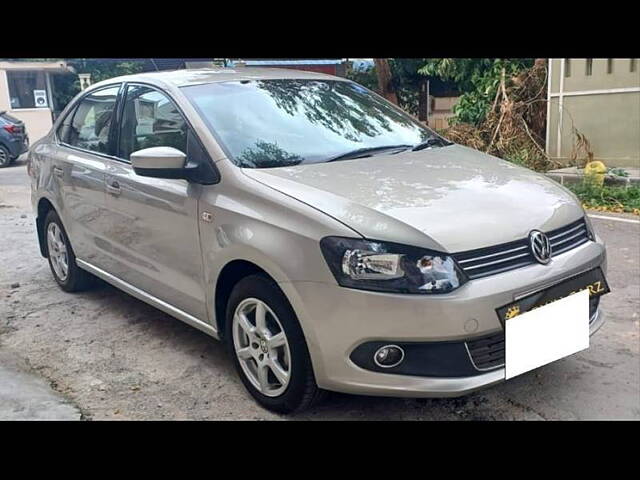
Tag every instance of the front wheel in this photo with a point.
(268, 348)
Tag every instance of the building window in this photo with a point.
(588, 69)
(633, 66)
(567, 67)
(26, 88)
(609, 65)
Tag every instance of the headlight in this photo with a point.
(390, 267)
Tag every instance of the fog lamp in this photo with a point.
(388, 356)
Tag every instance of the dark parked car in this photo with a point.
(14, 140)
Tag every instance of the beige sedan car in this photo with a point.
(332, 241)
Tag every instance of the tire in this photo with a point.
(5, 157)
(72, 278)
(300, 391)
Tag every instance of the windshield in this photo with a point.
(276, 123)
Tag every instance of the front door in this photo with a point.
(153, 222)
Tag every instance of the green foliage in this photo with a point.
(626, 199)
(364, 76)
(65, 87)
(102, 69)
(617, 172)
(405, 78)
(524, 157)
(477, 78)
(407, 81)
(68, 86)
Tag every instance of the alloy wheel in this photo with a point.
(4, 157)
(58, 251)
(261, 346)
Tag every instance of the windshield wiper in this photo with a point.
(367, 152)
(431, 143)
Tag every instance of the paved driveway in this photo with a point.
(110, 356)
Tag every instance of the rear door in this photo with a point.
(85, 140)
(153, 222)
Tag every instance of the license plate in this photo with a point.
(550, 324)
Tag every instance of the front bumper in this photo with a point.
(337, 320)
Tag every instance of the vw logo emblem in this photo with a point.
(540, 246)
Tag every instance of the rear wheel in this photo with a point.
(268, 348)
(5, 157)
(62, 260)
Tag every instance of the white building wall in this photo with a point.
(38, 121)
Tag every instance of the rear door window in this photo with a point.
(90, 126)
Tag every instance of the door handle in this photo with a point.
(58, 172)
(114, 188)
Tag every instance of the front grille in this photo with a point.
(569, 237)
(501, 258)
(509, 256)
(487, 353)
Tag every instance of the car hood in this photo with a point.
(450, 199)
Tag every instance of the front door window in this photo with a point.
(150, 119)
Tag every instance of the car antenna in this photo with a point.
(154, 64)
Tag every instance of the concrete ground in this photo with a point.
(25, 396)
(105, 355)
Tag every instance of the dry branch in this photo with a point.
(515, 127)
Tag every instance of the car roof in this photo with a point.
(186, 77)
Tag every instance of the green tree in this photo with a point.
(67, 86)
(411, 85)
(364, 76)
(104, 68)
(407, 82)
(477, 78)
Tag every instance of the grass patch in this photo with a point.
(608, 198)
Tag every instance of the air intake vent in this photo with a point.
(487, 353)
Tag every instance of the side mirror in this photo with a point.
(159, 162)
(169, 162)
